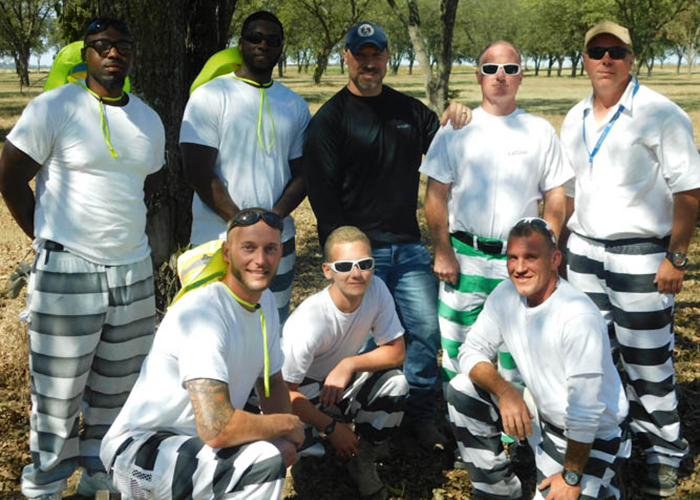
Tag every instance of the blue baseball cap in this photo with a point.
(364, 33)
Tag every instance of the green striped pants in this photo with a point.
(459, 306)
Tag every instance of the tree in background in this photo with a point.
(684, 32)
(436, 80)
(23, 26)
(646, 20)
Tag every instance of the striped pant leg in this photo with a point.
(643, 321)
(162, 465)
(126, 339)
(281, 286)
(476, 423)
(604, 462)
(624, 290)
(459, 305)
(376, 403)
(66, 310)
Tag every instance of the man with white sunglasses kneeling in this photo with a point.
(329, 383)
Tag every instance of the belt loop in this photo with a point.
(475, 239)
(46, 256)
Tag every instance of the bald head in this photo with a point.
(489, 49)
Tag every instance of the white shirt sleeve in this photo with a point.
(386, 326)
(482, 340)
(204, 348)
(584, 407)
(437, 163)
(556, 171)
(200, 123)
(680, 160)
(297, 146)
(300, 340)
(35, 131)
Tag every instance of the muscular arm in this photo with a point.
(16, 170)
(685, 210)
(555, 209)
(279, 401)
(446, 266)
(515, 414)
(220, 425)
(199, 162)
(294, 192)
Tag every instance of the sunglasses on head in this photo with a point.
(538, 223)
(250, 217)
(256, 38)
(345, 266)
(616, 52)
(100, 25)
(103, 45)
(511, 69)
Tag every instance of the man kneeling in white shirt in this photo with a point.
(574, 404)
(329, 383)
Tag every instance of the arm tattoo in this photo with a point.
(211, 405)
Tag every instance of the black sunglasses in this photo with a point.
(249, 217)
(256, 38)
(103, 46)
(616, 52)
(540, 224)
(100, 25)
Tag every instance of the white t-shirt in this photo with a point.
(223, 114)
(86, 200)
(648, 155)
(206, 334)
(553, 344)
(499, 167)
(317, 336)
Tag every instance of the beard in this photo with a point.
(110, 82)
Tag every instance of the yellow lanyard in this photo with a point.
(266, 101)
(266, 354)
(103, 122)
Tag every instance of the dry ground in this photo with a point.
(411, 474)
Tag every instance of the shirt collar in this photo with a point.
(626, 100)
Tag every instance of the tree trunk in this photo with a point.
(550, 65)
(321, 62)
(560, 62)
(280, 65)
(436, 84)
(22, 62)
(342, 65)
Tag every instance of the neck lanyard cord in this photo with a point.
(103, 121)
(263, 100)
(263, 326)
(620, 109)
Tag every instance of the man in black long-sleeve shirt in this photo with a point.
(363, 150)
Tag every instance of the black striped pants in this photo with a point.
(374, 401)
(476, 422)
(619, 278)
(162, 465)
(90, 328)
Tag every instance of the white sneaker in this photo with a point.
(89, 484)
(50, 496)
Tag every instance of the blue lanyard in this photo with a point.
(612, 121)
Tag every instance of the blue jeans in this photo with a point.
(405, 268)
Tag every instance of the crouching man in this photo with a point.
(183, 433)
(574, 403)
(329, 383)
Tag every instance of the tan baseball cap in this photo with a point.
(609, 28)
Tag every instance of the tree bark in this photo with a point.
(436, 83)
(166, 62)
(321, 62)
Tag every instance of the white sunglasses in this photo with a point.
(345, 266)
(510, 69)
